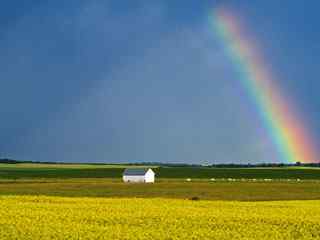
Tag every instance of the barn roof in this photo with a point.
(135, 171)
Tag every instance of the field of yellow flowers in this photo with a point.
(41, 217)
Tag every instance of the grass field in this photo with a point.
(95, 218)
(65, 171)
(78, 180)
(241, 191)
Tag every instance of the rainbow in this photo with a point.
(282, 123)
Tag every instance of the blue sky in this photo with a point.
(120, 81)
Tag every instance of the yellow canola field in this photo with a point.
(30, 217)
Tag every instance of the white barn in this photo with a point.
(137, 175)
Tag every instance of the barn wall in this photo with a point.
(149, 176)
(133, 179)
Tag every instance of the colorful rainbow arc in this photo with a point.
(284, 126)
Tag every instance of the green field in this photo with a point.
(242, 191)
(65, 171)
(105, 181)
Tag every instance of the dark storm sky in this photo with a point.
(120, 81)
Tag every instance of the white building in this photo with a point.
(138, 175)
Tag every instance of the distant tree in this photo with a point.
(298, 163)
